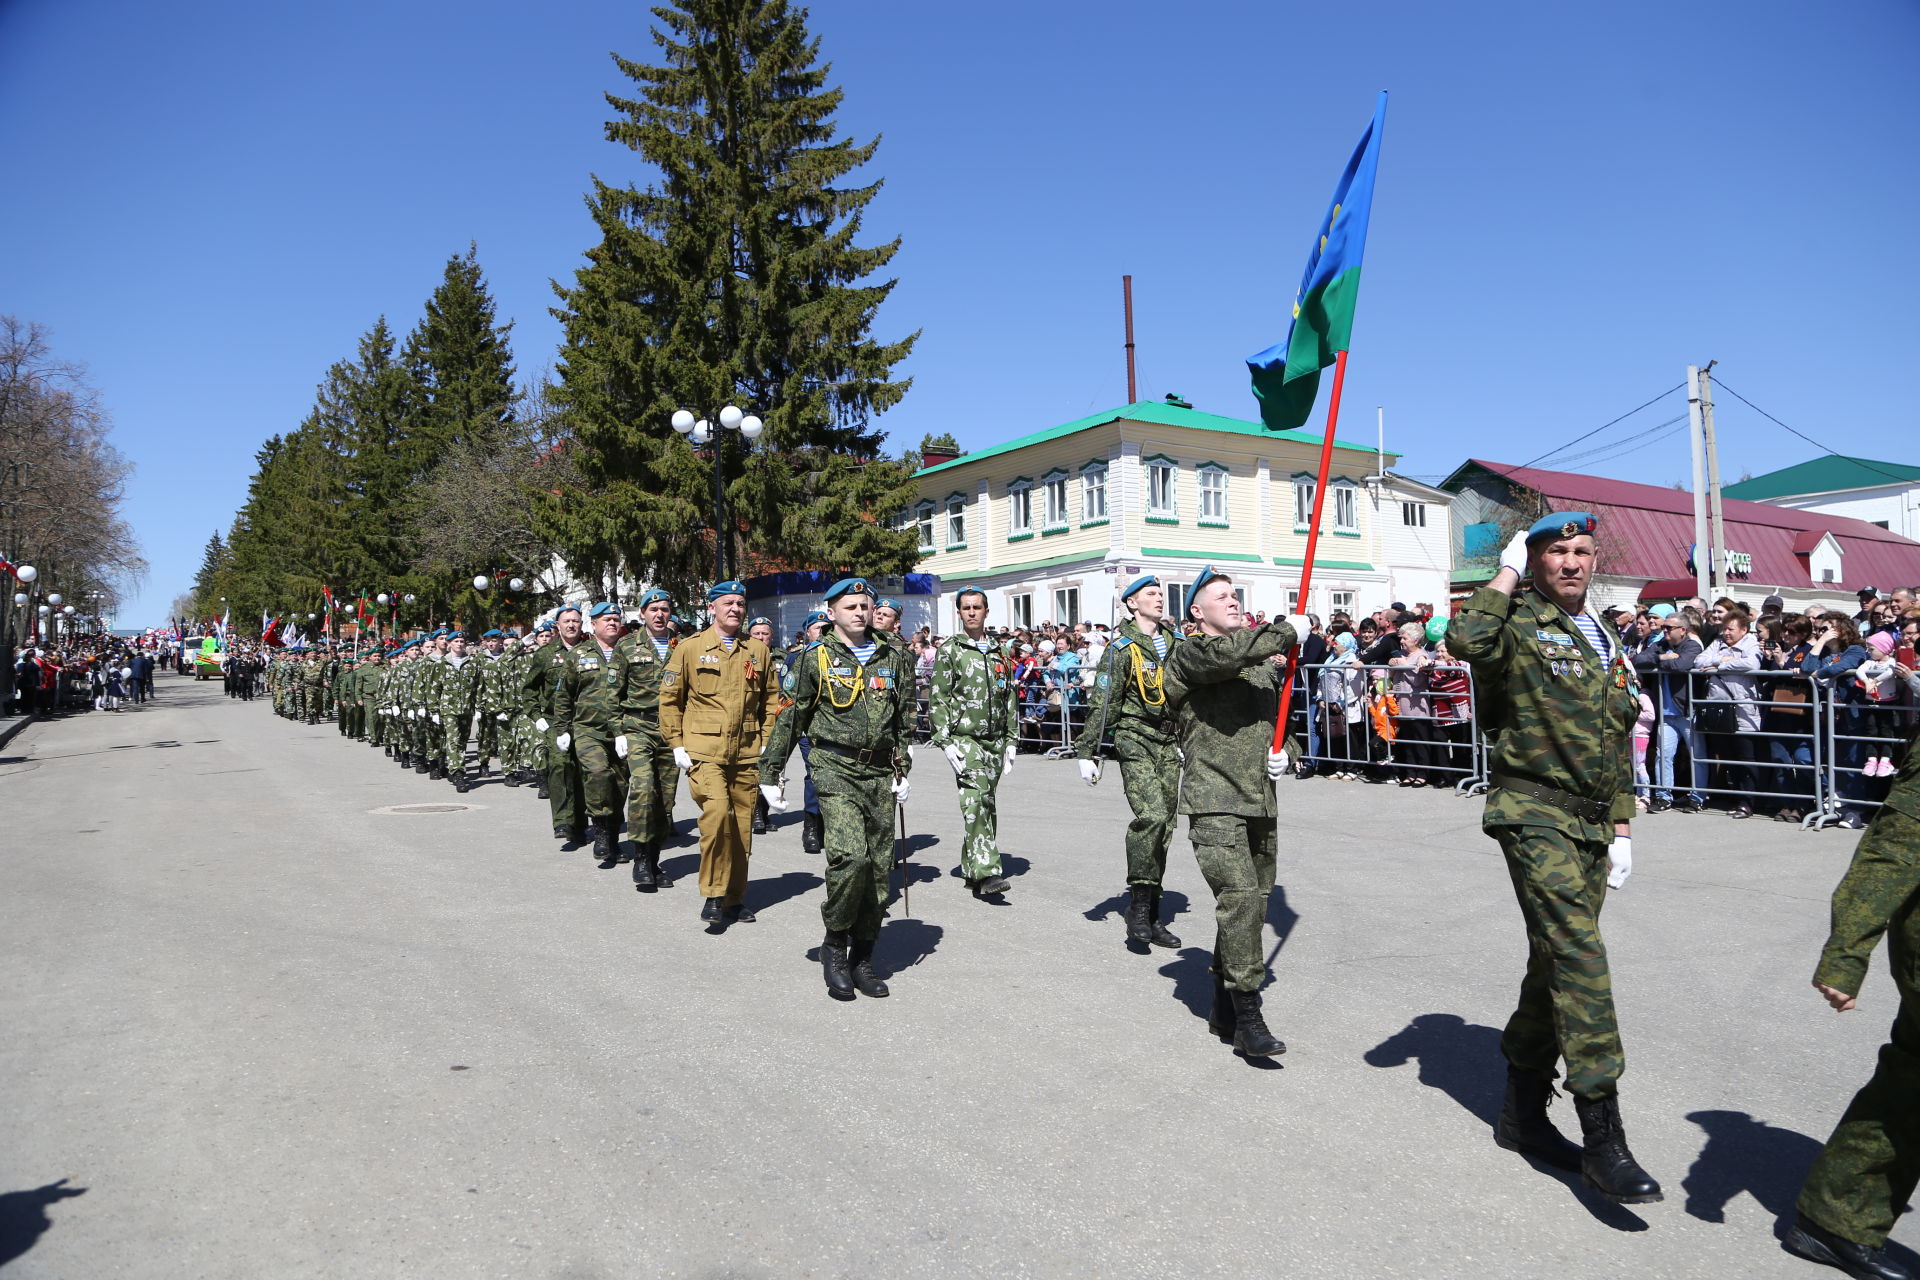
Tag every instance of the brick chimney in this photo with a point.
(936, 455)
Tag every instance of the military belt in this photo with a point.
(1596, 811)
(872, 755)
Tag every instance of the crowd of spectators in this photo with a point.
(90, 671)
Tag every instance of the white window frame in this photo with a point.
(1020, 610)
(956, 521)
(1093, 494)
(1303, 487)
(923, 522)
(1160, 468)
(1342, 601)
(1210, 482)
(1067, 617)
(1020, 509)
(1054, 501)
(1413, 514)
(1346, 502)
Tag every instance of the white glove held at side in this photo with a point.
(776, 800)
(501, 716)
(681, 760)
(564, 742)
(1514, 555)
(901, 790)
(436, 717)
(1090, 772)
(954, 758)
(541, 724)
(1008, 768)
(1276, 764)
(620, 745)
(1619, 861)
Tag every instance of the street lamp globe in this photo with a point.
(480, 582)
(26, 573)
(730, 417)
(751, 427)
(19, 597)
(682, 421)
(702, 432)
(45, 610)
(55, 598)
(68, 611)
(517, 584)
(382, 597)
(311, 617)
(408, 599)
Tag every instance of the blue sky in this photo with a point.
(208, 203)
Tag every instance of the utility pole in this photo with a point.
(1719, 528)
(1696, 434)
(1126, 299)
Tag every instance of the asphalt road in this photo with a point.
(257, 1027)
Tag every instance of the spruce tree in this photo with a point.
(734, 278)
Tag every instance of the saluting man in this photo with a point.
(853, 697)
(718, 701)
(1130, 700)
(974, 718)
(1558, 699)
(652, 776)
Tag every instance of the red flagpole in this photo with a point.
(1313, 540)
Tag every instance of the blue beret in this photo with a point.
(731, 587)
(815, 616)
(849, 587)
(603, 608)
(969, 591)
(655, 594)
(455, 633)
(888, 602)
(545, 626)
(1562, 524)
(488, 635)
(1144, 580)
(1201, 579)
(565, 608)
(760, 621)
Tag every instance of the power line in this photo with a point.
(1597, 430)
(1611, 446)
(1809, 439)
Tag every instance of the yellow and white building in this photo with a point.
(1051, 525)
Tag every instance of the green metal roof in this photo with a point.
(1822, 475)
(1155, 411)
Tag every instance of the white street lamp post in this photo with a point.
(699, 431)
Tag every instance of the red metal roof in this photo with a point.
(1646, 529)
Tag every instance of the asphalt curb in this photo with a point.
(10, 727)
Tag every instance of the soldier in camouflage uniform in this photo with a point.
(1228, 693)
(373, 692)
(459, 695)
(588, 723)
(564, 788)
(974, 719)
(490, 708)
(886, 623)
(652, 776)
(529, 756)
(1558, 699)
(313, 682)
(852, 695)
(1864, 1177)
(1130, 700)
(812, 628)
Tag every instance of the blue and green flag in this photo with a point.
(1286, 377)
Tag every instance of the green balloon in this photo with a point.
(1436, 630)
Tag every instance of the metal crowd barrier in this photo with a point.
(1436, 741)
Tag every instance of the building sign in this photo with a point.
(1733, 564)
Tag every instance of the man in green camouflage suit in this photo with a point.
(1558, 699)
(586, 721)
(459, 695)
(490, 710)
(531, 751)
(1130, 701)
(974, 717)
(313, 682)
(373, 692)
(563, 787)
(1865, 1175)
(853, 698)
(1228, 693)
(652, 776)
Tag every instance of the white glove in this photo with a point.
(681, 760)
(620, 745)
(776, 800)
(1275, 770)
(564, 742)
(1301, 627)
(541, 724)
(1619, 861)
(413, 713)
(901, 790)
(501, 716)
(1090, 772)
(436, 717)
(1009, 765)
(954, 758)
(1514, 555)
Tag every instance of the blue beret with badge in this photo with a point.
(1144, 580)
(565, 609)
(455, 633)
(604, 608)
(761, 621)
(493, 634)
(888, 602)
(815, 616)
(545, 626)
(1562, 524)
(731, 587)
(653, 595)
(1207, 574)
(848, 587)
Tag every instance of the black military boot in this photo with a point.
(760, 816)
(438, 772)
(406, 761)
(562, 832)
(1161, 935)
(988, 886)
(811, 828)
(483, 771)
(1220, 1020)
(511, 777)
(540, 787)
(606, 846)
(864, 978)
(1808, 1239)
(460, 782)
(1139, 905)
(1605, 1163)
(421, 764)
(833, 964)
(1523, 1125)
(646, 868)
(710, 910)
(1250, 1034)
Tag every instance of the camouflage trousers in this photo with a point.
(454, 730)
(981, 763)
(1150, 777)
(529, 745)
(856, 811)
(1864, 1176)
(565, 789)
(603, 774)
(1566, 998)
(1236, 856)
(353, 719)
(486, 734)
(652, 780)
(377, 725)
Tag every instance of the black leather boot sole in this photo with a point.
(1808, 1239)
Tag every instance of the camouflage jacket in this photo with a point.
(499, 688)
(1228, 695)
(972, 692)
(540, 673)
(837, 701)
(1127, 689)
(640, 685)
(1881, 886)
(1556, 713)
(586, 688)
(459, 689)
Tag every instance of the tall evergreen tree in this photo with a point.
(734, 279)
(213, 561)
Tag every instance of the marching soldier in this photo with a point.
(718, 702)
(1228, 695)
(532, 714)
(1559, 700)
(459, 696)
(652, 775)
(886, 622)
(313, 681)
(853, 696)
(587, 724)
(811, 629)
(974, 718)
(761, 629)
(1130, 699)
(565, 794)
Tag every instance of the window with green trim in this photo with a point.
(956, 522)
(1162, 501)
(1053, 494)
(1093, 492)
(1213, 494)
(923, 523)
(1020, 508)
(1346, 507)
